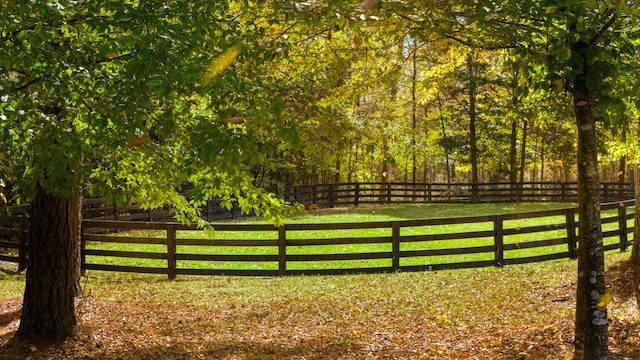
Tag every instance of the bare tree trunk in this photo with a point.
(472, 129)
(635, 250)
(444, 141)
(591, 341)
(53, 269)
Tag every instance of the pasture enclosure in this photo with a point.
(131, 239)
(341, 248)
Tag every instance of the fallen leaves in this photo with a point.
(504, 313)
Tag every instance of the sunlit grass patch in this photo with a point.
(432, 243)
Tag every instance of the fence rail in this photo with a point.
(295, 249)
(408, 245)
(337, 194)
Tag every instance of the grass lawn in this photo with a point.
(369, 213)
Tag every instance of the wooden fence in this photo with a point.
(337, 194)
(294, 249)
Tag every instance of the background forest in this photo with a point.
(375, 100)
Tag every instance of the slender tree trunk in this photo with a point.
(444, 141)
(513, 169)
(472, 129)
(621, 177)
(513, 166)
(635, 250)
(591, 341)
(53, 270)
(414, 120)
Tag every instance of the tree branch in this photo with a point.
(482, 46)
(604, 28)
(33, 81)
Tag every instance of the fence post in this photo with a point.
(356, 199)
(388, 193)
(314, 194)
(429, 192)
(332, 197)
(572, 241)
(498, 237)
(395, 246)
(171, 251)
(622, 226)
(282, 250)
(605, 190)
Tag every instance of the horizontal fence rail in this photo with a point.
(340, 194)
(372, 247)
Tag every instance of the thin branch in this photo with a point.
(115, 58)
(33, 81)
(604, 28)
(482, 46)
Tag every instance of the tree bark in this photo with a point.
(635, 250)
(591, 338)
(472, 129)
(53, 267)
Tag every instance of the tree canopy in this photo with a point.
(133, 99)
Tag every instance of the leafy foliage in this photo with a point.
(131, 98)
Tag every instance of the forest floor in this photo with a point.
(515, 312)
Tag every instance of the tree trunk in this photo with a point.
(53, 268)
(635, 250)
(445, 143)
(472, 130)
(591, 341)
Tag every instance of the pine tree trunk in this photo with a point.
(53, 268)
(591, 340)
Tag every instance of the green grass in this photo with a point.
(354, 215)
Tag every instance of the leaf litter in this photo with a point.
(516, 312)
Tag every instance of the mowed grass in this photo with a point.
(360, 214)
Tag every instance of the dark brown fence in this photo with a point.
(412, 245)
(330, 195)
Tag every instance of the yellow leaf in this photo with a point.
(357, 41)
(604, 299)
(558, 85)
(32, 348)
(367, 4)
(236, 120)
(222, 62)
(111, 56)
(137, 141)
(582, 103)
